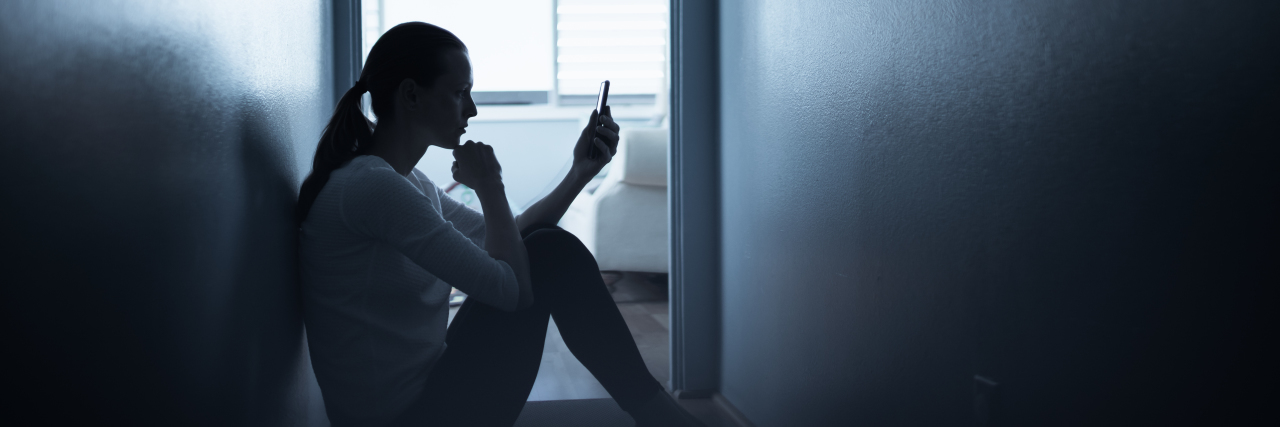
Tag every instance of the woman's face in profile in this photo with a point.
(447, 104)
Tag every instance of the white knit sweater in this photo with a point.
(378, 254)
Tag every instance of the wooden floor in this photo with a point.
(644, 307)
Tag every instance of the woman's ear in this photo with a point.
(407, 92)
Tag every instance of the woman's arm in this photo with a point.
(502, 239)
(550, 209)
(476, 167)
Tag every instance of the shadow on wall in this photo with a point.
(149, 190)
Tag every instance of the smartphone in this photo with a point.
(594, 153)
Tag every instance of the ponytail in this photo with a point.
(349, 134)
(411, 50)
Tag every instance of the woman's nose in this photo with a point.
(470, 110)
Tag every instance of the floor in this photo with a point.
(642, 301)
(605, 413)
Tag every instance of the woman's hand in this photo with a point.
(475, 166)
(551, 208)
(606, 140)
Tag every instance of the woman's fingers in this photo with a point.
(475, 164)
(606, 152)
(606, 120)
(470, 149)
(606, 133)
(587, 130)
(610, 137)
(462, 149)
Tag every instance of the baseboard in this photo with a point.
(692, 394)
(730, 411)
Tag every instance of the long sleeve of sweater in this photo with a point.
(381, 204)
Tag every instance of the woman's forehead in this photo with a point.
(458, 67)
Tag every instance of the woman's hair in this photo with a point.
(412, 50)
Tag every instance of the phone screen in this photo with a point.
(600, 103)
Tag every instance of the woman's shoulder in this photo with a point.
(423, 183)
(422, 177)
(369, 181)
(367, 170)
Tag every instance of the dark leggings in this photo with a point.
(485, 375)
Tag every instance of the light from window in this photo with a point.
(624, 42)
(546, 51)
(509, 41)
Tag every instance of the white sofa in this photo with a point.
(624, 221)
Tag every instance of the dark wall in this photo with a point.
(1077, 200)
(151, 157)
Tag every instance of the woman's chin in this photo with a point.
(448, 144)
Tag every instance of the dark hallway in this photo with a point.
(908, 213)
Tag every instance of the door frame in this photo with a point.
(347, 46)
(694, 199)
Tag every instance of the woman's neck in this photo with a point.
(391, 142)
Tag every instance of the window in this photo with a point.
(538, 65)
(523, 51)
(510, 42)
(623, 42)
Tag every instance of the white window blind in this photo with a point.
(624, 42)
(510, 41)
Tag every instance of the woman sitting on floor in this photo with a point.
(380, 247)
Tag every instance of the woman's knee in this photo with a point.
(553, 247)
(525, 232)
(550, 236)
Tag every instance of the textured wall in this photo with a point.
(1077, 200)
(151, 157)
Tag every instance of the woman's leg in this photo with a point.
(486, 372)
(485, 375)
(588, 319)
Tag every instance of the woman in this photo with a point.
(381, 245)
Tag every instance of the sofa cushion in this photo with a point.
(642, 157)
